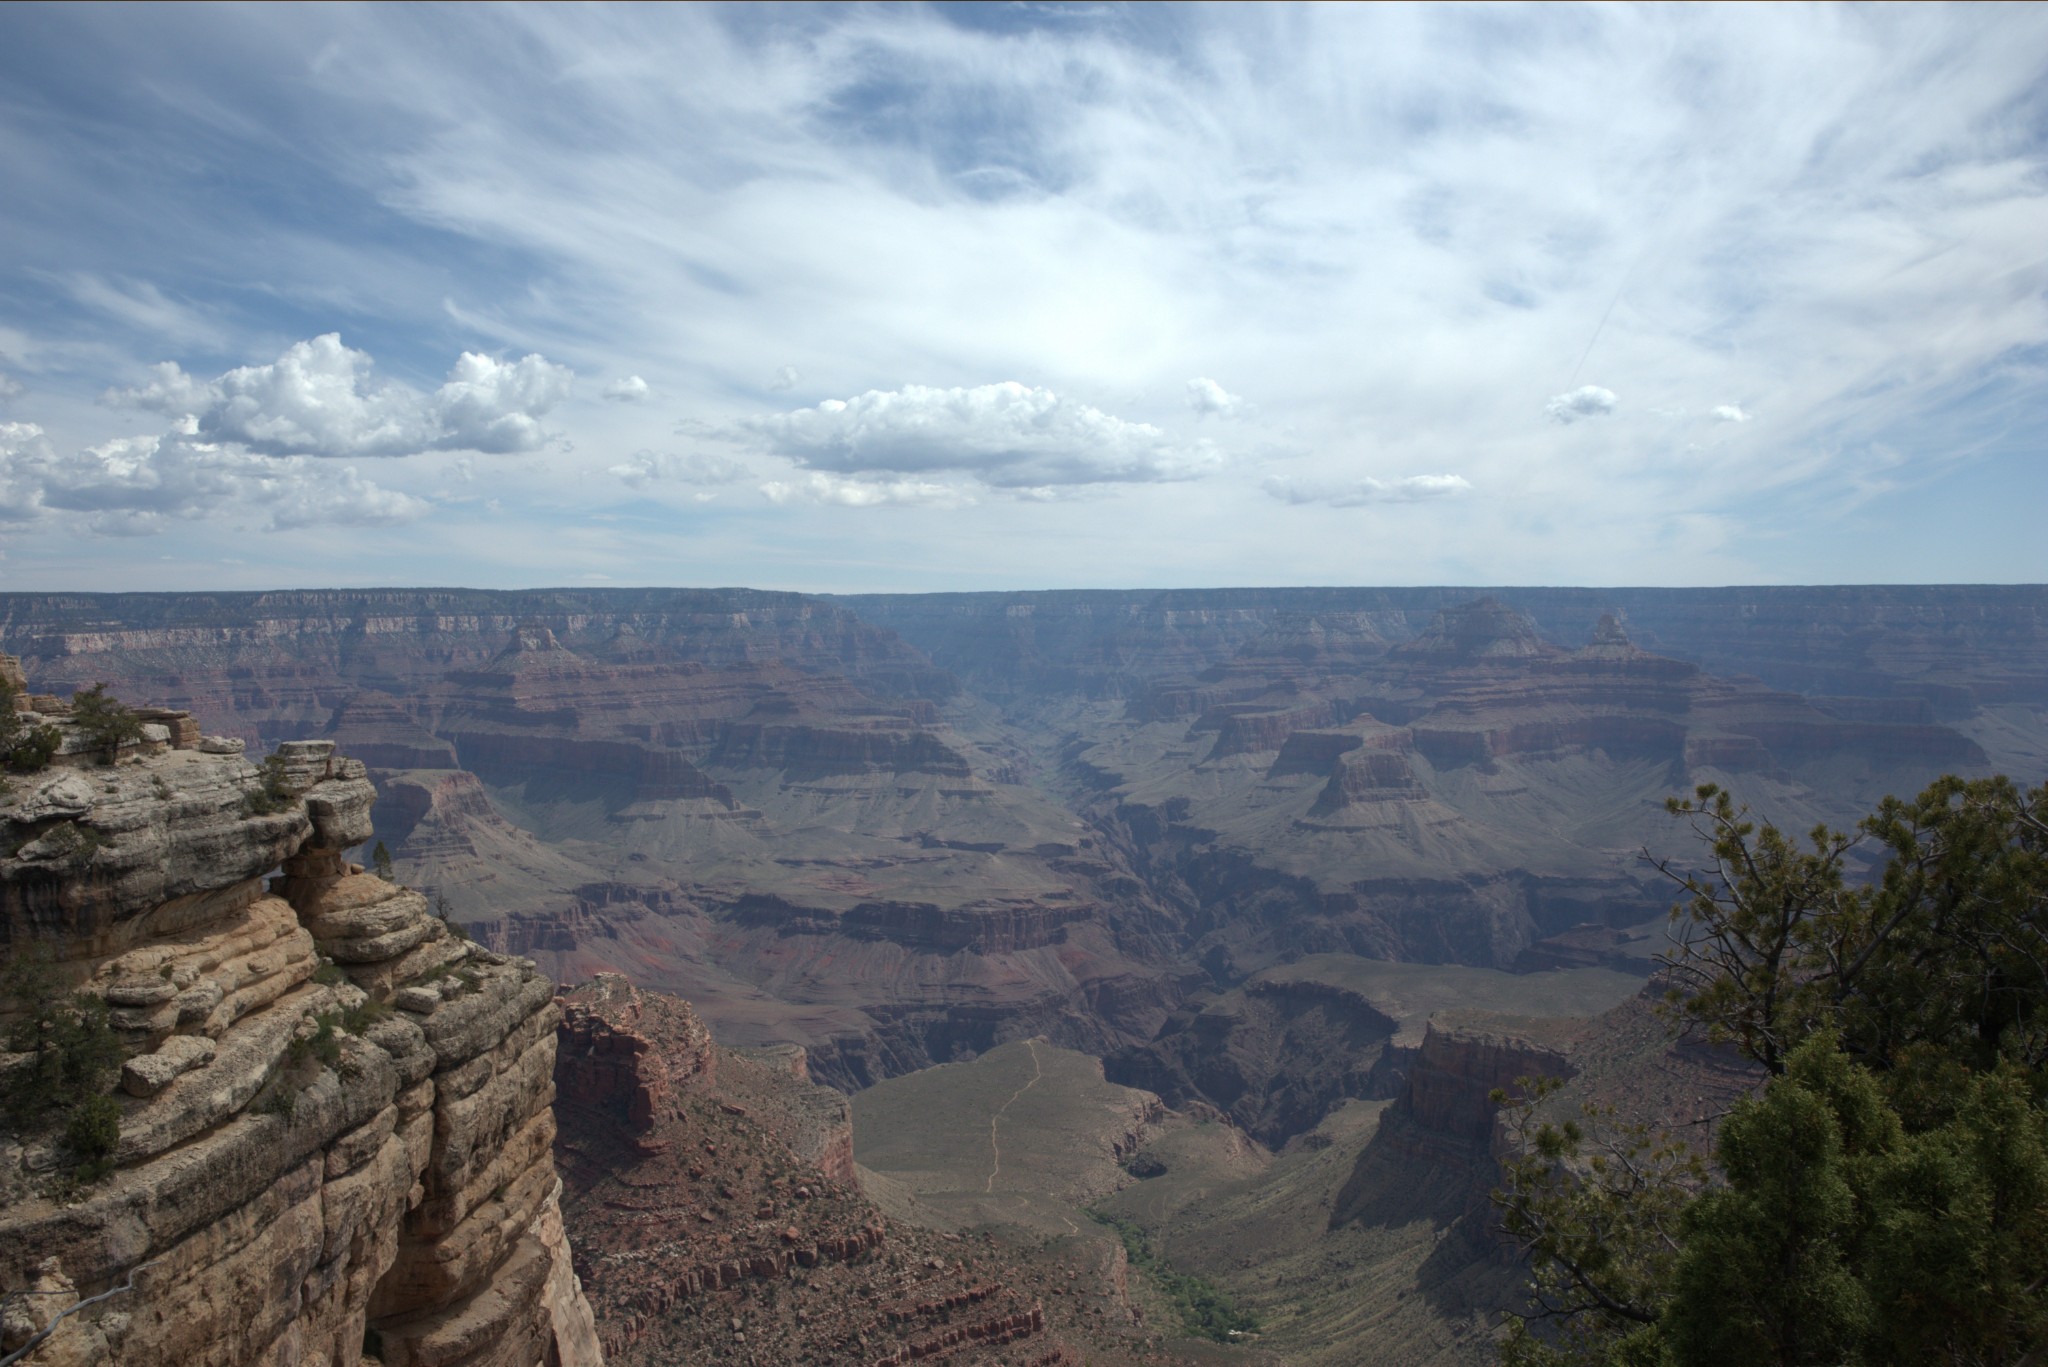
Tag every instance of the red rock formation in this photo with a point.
(696, 1175)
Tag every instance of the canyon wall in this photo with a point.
(718, 1215)
(334, 1124)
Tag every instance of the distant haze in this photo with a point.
(918, 298)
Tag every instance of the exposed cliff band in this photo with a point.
(334, 1123)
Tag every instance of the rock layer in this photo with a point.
(717, 1214)
(304, 1174)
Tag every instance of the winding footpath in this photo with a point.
(995, 1149)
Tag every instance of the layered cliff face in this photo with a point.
(788, 810)
(1456, 796)
(1282, 1050)
(793, 835)
(1956, 646)
(717, 1213)
(334, 1128)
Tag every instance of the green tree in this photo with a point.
(73, 1057)
(106, 724)
(25, 743)
(380, 859)
(1883, 1197)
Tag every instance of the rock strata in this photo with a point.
(303, 1174)
(717, 1215)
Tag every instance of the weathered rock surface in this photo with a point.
(301, 1176)
(712, 1198)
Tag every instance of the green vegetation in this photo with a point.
(363, 1015)
(322, 1046)
(106, 724)
(380, 859)
(73, 842)
(1884, 1196)
(1203, 1309)
(25, 744)
(74, 1057)
(273, 796)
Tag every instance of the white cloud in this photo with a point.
(1210, 399)
(1587, 401)
(24, 454)
(785, 378)
(632, 389)
(1729, 412)
(1359, 493)
(10, 388)
(320, 399)
(817, 487)
(697, 468)
(1007, 435)
(134, 486)
(1388, 224)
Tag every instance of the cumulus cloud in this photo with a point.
(24, 451)
(632, 389)
(817, 487)
(134, 486)
(650, 467)
(1408, 489)
(1210, 399)
(1729, 412)
(1007, 435)
(1587, 401)
(320, 399)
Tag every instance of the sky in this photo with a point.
(1009, 296)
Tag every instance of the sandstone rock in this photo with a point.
(280, 1179)
(148, 1074)
(221, 745)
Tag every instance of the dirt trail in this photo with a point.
(995, 1149)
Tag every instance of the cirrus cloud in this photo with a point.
(1008, 435)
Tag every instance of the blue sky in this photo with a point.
(903, 298)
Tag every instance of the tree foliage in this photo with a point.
(25, 743)
(72, 1057)
(1883, 1197)
(106, 723)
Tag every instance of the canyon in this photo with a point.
(1231, 906)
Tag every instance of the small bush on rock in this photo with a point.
(272, 797)
(106, 724)
(25, 743)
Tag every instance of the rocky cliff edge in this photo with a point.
(335, 1120)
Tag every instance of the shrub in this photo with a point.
(106, 724)
(25, 744)
(91, 1136)
(272, 797)
(74, 1057)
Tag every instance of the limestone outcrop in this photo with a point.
(334, 1112)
